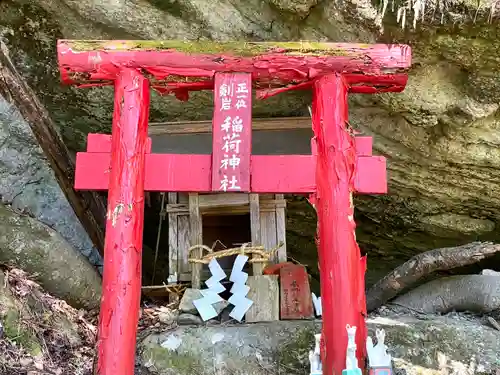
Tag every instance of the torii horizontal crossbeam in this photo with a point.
(178, 67)
(271, 173)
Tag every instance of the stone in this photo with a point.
(28, 185)
(417, 346)
(490, 272)
(224, 315)
(300, 7)
(166, 316)
(220, 306)
(30, 245)
(186, 304)
(189, 319)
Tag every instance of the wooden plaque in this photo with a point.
(232, 132)
(296, 299)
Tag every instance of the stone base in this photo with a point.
(283, 347)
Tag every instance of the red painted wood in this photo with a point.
(283, 174)
(295, 293)
(232, 132)
(102, 143)
(357, 84)
(274, 269)
(164, 172)
(362, 331)
(270, 173)
(276, 69)
(370, 176)
(338, 252)
(121, 288)
(384, 83)
(363, 146)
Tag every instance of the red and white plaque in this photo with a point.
(232, 132)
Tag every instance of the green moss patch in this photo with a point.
(244, 49)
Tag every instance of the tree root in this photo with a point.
(474, 293)
(424, 264)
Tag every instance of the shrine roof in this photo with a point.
(182, 66)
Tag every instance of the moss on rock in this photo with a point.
(173, 363)
(292, 356)
(11, 318)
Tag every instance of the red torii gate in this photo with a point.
(339, 165)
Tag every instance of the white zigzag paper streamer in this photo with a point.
(211, 296)
(239, 289)
(317, 304)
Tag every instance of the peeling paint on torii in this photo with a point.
(340, 164)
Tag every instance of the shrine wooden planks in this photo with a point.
(296, 300)
(264, 292)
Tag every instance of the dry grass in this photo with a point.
(64, 335)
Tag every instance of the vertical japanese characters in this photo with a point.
(232, 132)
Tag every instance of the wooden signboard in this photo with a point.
(232, 132)
(296, 300)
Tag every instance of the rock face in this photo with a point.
(440, 135)
(419, 346)
(28, 186)
(32, 246)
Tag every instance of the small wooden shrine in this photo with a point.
(231, 218)
(339, 165)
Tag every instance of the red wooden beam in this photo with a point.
(232, 132)
(364, 146)
(339, 255)
(121, 287)
(357, 84)
(175, 67)
(189, 173)
(99, 142)
(164, 172)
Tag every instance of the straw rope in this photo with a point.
(171, 288)
(245, 249)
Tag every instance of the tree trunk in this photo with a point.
(474, 293)
(424, 264)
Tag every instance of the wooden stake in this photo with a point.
(124, 228)
(196, 236)
(88, 206)
(255, 229)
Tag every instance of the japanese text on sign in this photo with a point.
(234, 104)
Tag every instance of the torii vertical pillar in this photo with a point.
(124, 226)
(338, 252)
